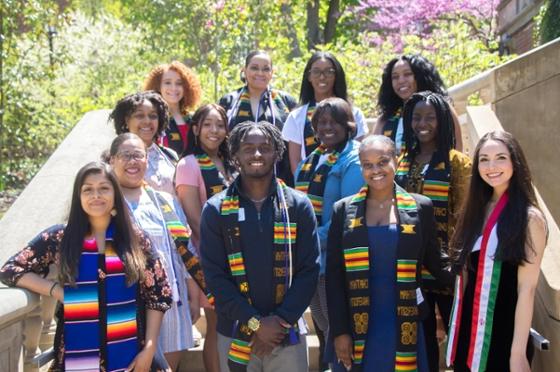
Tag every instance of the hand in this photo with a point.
(271, 331)
(343, 349)
(518, 363)
(142, 362)
(259, 348)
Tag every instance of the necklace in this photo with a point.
(258, 201)
(381, 205)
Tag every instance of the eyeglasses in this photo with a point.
(315, 72)
(128, 156)
(264, 70)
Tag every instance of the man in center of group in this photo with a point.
(259, 251)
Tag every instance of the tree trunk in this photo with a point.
(313, 34)
(332, 19)
(286, 9)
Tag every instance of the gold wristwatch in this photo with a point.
(254, 323)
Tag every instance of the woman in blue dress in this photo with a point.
(378, 241)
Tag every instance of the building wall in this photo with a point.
(515, 24)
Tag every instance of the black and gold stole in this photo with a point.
(214, 182)
(355, 245)
(312, 181)
(181, 235)
(271, 104)
(435, 185)
(285, 231)
(308, 132)
(391, 124)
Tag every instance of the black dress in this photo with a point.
(503, 323)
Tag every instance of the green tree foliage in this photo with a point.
(103, 50)
(550, 26)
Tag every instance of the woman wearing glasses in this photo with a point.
(323, 77)
(257, 101)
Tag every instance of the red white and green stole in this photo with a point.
(312, 179)
(271, 101)
(103, 308)
(181, 235)
(484, 301)
(308, 132)
(435, 184)
(214, 182)
(285, 235)
(356, 249)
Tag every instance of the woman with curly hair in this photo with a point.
(146, 115)
(180, 88)
(402, 77)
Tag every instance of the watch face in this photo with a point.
(253, 324)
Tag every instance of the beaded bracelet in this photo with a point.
(52, 287)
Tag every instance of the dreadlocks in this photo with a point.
(445, 130)
(269, 130)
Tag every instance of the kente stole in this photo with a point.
(390, 129)
(271, 99)
(355, 245)
(484, 300)
(308, 132)
(181, 235)
(312, 180)
(285, 232)
(100, 332)
(214, 182)
(435, 185)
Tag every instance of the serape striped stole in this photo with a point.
(214, 182)
(355, 250)
(435, 184)
(285, 235)
(181, 235)
(312, 180)
(484, 301)
(100, 326)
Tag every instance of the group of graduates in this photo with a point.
(260, 206)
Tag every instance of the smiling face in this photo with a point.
(258, 72)
(329, 132)
(402, 80)
(143, 122)
(494, 165)
(130, 163)
(97, 196)
(256, 156)
(424, 123)
(378, 166)
(171, 87)
(322, 76)
(211, 132)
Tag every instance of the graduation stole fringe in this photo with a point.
(357, 265)
(308, 132)
(312, 180)
(245, 112)
(214, 182)
(435, 185)
(100, 332)
(484, 301)
(181, 235)
(285, 235)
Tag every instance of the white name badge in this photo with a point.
(241, 215)
(419, 297)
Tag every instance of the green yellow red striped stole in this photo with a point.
(484, 301)
(435, 181)
(214, 182)
(355, 250)
(390, 127)
(312, 179)
(308, 132)
(181, 235)
(104, 309)
(285, 234)
(271, 101)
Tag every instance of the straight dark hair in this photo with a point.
(425, 73)
(307, 94)
(445, 130)
(339, 110)
(513, 221)
(125, 238)
(193, 141)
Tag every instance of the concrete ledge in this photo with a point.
(15, 303)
